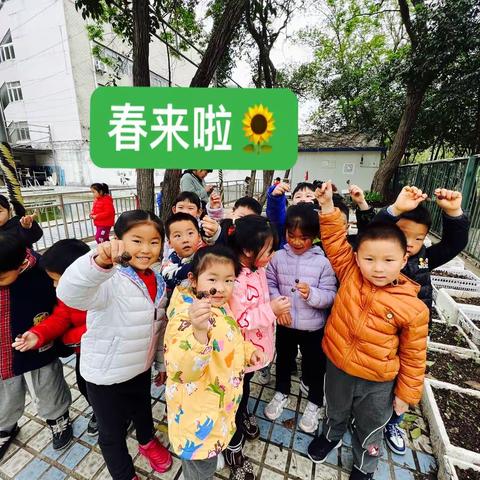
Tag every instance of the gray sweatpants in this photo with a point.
(199, 469)
(50, 390)
(369, 403)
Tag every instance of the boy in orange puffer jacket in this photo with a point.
(375, 338)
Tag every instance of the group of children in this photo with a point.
(207, 302)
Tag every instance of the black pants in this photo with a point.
(81, 383)
(114, 405)
(313, 360)
(242, 409)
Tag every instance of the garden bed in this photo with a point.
(446, 334)
(454, 469)
(453, 368)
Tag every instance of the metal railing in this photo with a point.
(461, 174)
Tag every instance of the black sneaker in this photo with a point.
(240, 467)
(250, 426)
(320, 447)
(92, 428)
(6, 439)
(62, 431)
(358, 475)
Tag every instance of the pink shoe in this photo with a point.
(159, 457)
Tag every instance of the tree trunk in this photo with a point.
(141, 78)
(251, 186)
(286, 174)
(219, 41)
(267, 181)
(381, 180)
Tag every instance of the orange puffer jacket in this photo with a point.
(375, 333)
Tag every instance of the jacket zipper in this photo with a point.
(294, 296)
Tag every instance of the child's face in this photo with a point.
(242, 211)
(218, 275)
(415, 234)
(95, 193)
(265, 254)
(54, 276)
(144, 244)
(8, 277)
(4, 216)
(305, 195)
(187, 207)
(184, 238)
(299, 243)
(380, 261)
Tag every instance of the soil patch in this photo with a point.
(440, 273)
(467, 474)
(447, 334)
(461, 415)
(468, 301)
(449, 368)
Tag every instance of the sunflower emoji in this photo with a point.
(258, 124)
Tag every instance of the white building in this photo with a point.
(47, 74)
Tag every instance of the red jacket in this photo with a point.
(104, 211)
(67, 322)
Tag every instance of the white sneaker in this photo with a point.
(309, 421)
(275, 408)
(264, 376)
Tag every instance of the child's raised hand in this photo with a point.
(108, 253)
(27, 220)
(304, 289)
(215, 201)
(408, 199)
(280, 305)
(285, 320)
(25, 342)
(210, 226)
(199, 314)
(324, 196)
(450, 201)
(358, 196)
(257, 358)
(399, 406)
(281, 189)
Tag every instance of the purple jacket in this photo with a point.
(313, 268)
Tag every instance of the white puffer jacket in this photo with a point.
(125, 329)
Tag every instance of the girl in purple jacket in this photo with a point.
(301, 272)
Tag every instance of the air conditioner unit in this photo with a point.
(100, 66)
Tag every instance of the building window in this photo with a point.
(7, 51)
(18, 132)
(10, 92)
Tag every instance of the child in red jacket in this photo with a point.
(65, 322)
(103, 211)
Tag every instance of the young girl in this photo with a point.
(301, 272)
(125, 324)
(253, 239)
(103, 211)
(206, 357)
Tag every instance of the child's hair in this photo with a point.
(12, 252)
(382, 231)
(304, 217)
(62, 254)
(18, 208)
(132, 218)
(101, 188)
(277, 179)
(248, 202)
(180, 217)
(250, 233)
(339, 202)
(303, 186)
(206, 256)
(420, 215)
(189, 197)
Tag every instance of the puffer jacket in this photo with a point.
(204, 382)
(104, 211)
(125, 328)
(250, 304)
(312, 268)
(375, 333)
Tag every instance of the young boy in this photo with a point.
(415, 221)
(65, 322)
(183, 234)
(375, 338)
(27, 296)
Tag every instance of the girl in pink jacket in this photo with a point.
(253, 238)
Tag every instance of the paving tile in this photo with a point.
(80, 426)
(41, 439)
(80, 404)
(90, 439)
(54, 473)
(23, 420)
(27, 431)
(347, 438)
(403, 474)
(332, 457)
(383, 471)
(264, 427)
(158, 411)
(33, 470)
(254, 450)
(300, 467)
(104, 475)
(426, 462)
(156, 391)
(49, 452)
(268, 474)
(346, 456)
(324, 472)
(404, 460)
(301, 441)
(74, 456)
(143, 463)
(251, 404)
(276, 457)
(281, 435)
(267, 394)
(16, 462)
(90, 465)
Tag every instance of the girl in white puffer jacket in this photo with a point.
(125, 326)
